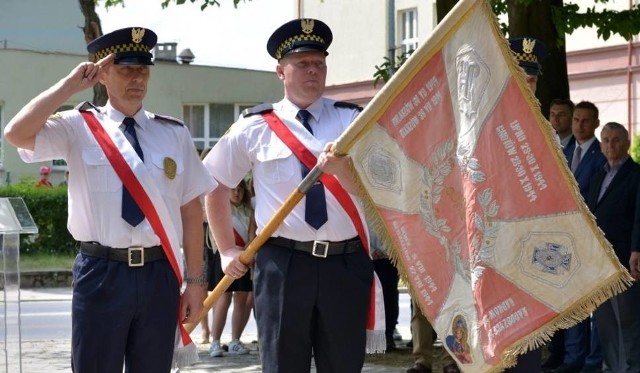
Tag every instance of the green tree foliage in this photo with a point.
(166, 3)
(548, 21)
(567, 17)
(385, 70)
(634, 151)
(625, 23)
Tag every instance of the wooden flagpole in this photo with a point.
(250, 251)
(350, 136)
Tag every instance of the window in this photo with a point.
(194, 118)
(208, 122)
(408, 30)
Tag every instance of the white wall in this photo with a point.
(44, 25)
(359, 37)
(360, 31)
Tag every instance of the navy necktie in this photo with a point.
(575, 161)
(131, 213)
(316, 205)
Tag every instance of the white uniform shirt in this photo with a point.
(251, 145)
(95, 191)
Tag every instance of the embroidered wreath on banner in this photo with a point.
(483, 239)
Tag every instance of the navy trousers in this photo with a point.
(388, 275)
(307, 306)
(527, 363)
(123, 316)
(619, 331)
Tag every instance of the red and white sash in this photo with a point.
(376, 341)
(134, 176)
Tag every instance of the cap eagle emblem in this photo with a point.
(137, 34)
(528, 45)
(307, 25)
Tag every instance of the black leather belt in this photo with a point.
(134, 256)
(320, 249)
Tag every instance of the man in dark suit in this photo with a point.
(585, 159)
(613, 199)
(560, 117)
(588, 159)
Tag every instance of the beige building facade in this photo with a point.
(365, 31)
(210, 98)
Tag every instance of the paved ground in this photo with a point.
(53, 356)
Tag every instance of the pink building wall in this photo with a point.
(609, 77)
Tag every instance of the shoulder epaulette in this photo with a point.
(85, 106)
(347, 105)
(258, 109)
(169, 119)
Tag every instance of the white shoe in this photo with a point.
(396, 335)
(237, 348)
(215, 350)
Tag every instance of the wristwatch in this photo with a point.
(199, 280)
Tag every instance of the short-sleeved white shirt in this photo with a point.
(250, 145)
(95, 191)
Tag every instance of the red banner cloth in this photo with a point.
(466, 182)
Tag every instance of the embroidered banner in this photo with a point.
(467, 184)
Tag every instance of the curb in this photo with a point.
(41, 278)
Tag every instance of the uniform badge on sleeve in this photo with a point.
(169, 168)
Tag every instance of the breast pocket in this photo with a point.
(167, 170)
(100, 174)
(278, 164)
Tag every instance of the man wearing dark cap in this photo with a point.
(529, 52)
(313, 277)
(134, 200)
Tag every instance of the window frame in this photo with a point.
(208, 139)
(408, 30)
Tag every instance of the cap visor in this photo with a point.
(307, 48)
(132, 60)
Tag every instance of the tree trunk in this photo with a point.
(443, 7)
(92, 29)
(535, 21)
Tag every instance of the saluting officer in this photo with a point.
(129, 271)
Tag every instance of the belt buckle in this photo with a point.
(135, 256)
(320, 249)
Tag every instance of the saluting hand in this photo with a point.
(86, 75)
(22, 129)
